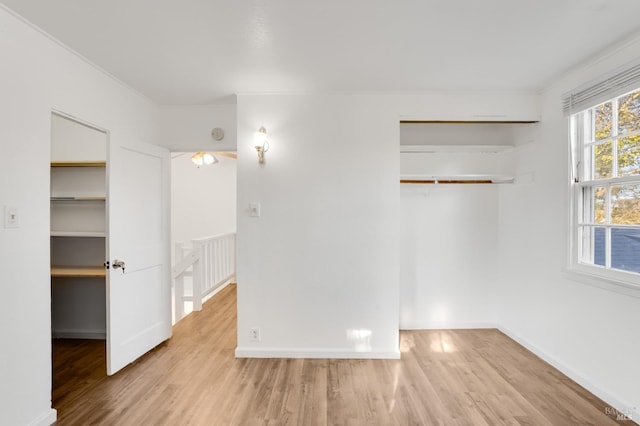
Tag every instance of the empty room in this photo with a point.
(434, 215)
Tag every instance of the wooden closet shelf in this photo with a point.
(81, 234)
(78, 164)
(455, 179)
(78, 271)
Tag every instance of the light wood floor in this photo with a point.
(461, 377)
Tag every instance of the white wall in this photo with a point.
(444, 164)
(188, 128)
(203, 200)
(72, 141)
(37, 75)
(448, 256)
(588, 332)
(319, 271)
(465, 133)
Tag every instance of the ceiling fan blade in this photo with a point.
(226, 154)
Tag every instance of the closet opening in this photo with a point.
(452, 175)
(78, 246)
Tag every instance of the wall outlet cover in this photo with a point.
(11, 217)
(254, 209)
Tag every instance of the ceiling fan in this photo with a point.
(210, 156)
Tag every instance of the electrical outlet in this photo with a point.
(254, 335)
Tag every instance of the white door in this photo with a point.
(139, 293)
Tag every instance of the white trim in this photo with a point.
(315, 353)
(622, 406)
(604, 282)
(45, 419)
(79, 121)
(218, 289)
(448, 325)
(609, 181)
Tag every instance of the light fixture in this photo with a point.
(203, 158)
(262, 143)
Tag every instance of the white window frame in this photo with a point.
(581, 131)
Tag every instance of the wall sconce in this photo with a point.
(262, 143)
(203, 158)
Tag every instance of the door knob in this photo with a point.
(118, 264)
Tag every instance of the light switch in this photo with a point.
(11, 218)
(254, 210)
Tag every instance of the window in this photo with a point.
(606, 188)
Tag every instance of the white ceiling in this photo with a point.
(202, 51)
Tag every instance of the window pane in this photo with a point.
(599, 212)
(625, 249)
(602, 121)
(603, 156)
(592, 245)
(625, 204)
(587, 164)
(599, 244)
(593, 205)
(629, 156)
(629, 113)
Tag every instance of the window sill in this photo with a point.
(628, 288)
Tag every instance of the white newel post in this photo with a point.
(198, 276)
(179, 284)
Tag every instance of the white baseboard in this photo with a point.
(79, 334)
(447, 325)
(629, 410)
(252, 352)
(45, 419)
(218, 289)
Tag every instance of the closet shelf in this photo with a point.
(78, 271)
(455, 179)
(78, 164)
(101, 234)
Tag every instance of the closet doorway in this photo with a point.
(110, 237)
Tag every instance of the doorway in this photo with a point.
(78, 251)
(101, 213)
(203, 205)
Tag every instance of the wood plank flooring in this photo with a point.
(445, 377)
